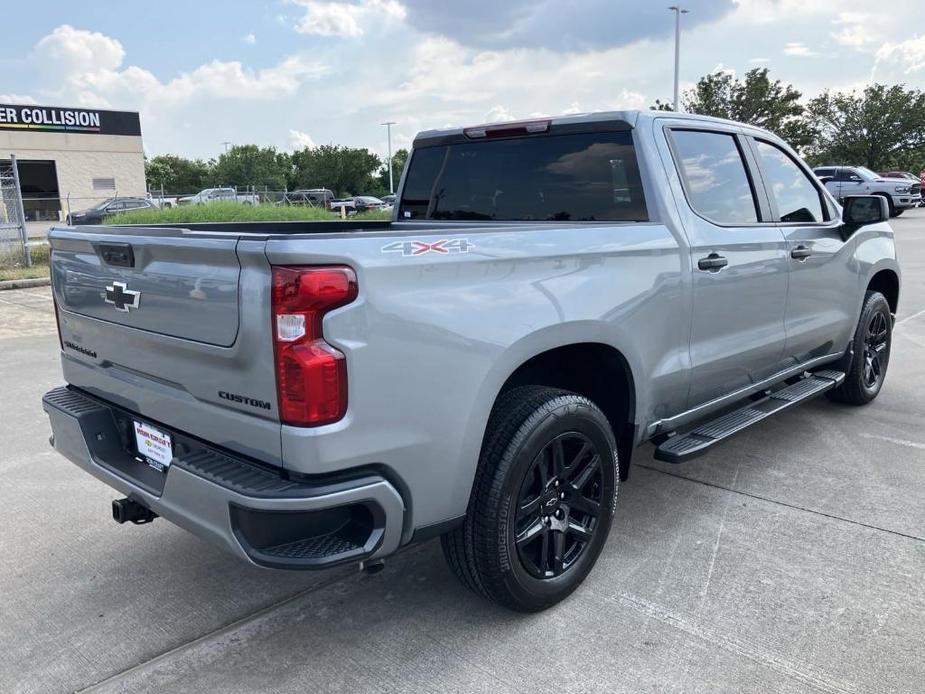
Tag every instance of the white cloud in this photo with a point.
(908, 55)
(88, 67)
(67, 51)
(799, 49)
(249, 39)
(498, 114)
(17, 99)
(300, 140)
(326, 18)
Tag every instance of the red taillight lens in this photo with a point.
(311, 375)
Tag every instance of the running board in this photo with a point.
(684, 447)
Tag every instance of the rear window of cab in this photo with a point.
(569, 177)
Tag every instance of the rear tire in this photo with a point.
(542, 501)
(872, 342)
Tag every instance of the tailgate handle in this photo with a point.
(118, 254)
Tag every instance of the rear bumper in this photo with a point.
(248, 509)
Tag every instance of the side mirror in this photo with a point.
(861, 210)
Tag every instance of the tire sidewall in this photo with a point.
(532, 437)
(874, 304)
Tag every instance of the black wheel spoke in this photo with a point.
(557, 453)
(558, 559)
(578, 530)
(529, 508)
(575, 463)
(585, 505)
(528, 535)
(544, 552)
(583, 477)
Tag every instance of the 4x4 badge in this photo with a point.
(122, 297)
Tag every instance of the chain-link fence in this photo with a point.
(13, 239)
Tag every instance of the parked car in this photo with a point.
(313, 197)
(920, 179)
(389, 199)
(482, 367)
(162, 202)
(107, 208)
(842, 181)
(362, 203)
(208, 195)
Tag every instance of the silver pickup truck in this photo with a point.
(841, 181)
(550, 295)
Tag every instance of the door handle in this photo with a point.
(712, 263)
(801, 252)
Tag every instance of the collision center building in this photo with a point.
(72, 157)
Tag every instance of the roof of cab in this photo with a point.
(620, 120)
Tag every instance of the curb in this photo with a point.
(26, 283)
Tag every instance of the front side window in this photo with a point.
(572, 177)
(715, 177)
(797, 198)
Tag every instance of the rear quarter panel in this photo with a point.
(433, 337)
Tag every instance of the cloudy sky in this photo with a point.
(291, 73)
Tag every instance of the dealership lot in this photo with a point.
(791, 559)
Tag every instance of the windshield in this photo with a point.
(573, 177)
(866, 173)
(103, 204)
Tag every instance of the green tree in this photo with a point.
(345, 170)
(881, 127)
(755, 100)
(399, 158)
(250, 165)
(176, 174)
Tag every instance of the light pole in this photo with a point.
(388, 125)
(226, 144)
(678, 11)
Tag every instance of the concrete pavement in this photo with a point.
(791, 559)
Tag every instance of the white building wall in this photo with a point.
(79, 158)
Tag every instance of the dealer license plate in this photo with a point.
(153, 445)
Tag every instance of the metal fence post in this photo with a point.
(26, 253)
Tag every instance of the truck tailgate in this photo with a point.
(152, 320)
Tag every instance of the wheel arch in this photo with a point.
(596, 370)
(886, 281)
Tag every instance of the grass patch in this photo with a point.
(13, 265)
(233, 212)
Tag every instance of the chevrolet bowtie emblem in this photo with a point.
(122, 297)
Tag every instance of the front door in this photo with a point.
(822, 300)
(739, 265)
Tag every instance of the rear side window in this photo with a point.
(574, 177)
(715, 178)
(798, 200)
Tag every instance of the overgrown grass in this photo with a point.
(233, 212)
(13, 265)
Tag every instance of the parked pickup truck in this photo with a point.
(208, 195)
(550, 295)
(842, 181)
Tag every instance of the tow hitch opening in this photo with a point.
(126, 510)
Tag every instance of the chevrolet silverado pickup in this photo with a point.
(549, 295)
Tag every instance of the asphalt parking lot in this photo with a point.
(791, 559)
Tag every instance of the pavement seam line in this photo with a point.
(226, 628)
(783, 503)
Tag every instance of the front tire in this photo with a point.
(542, 502)
(873, 339)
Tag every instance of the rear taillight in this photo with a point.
(311, 375)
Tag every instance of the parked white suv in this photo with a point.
(218, 195)
(842, 181)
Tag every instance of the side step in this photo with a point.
(684, 447)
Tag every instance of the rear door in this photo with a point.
(822, 300)
(739, 263)
(174, 325)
